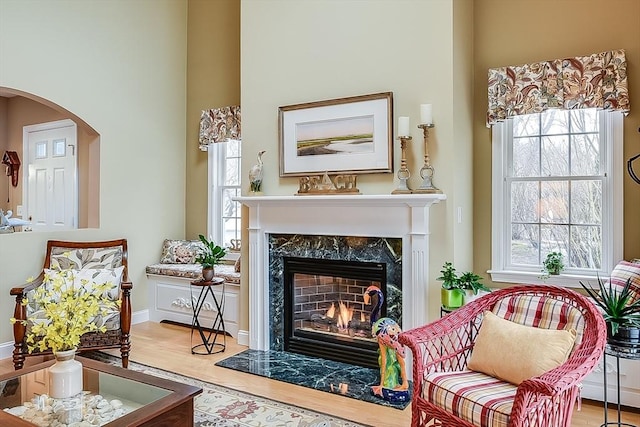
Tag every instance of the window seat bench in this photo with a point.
(170, 294)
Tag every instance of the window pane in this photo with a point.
(232, 176)
(524, 244)
(524, 202)
(555, 122)
(230, 207)
(586, 202)
(554, 202)
(585, 155)
(586, 244)
(553, 238)
(555, 155)
(526, 125)
(526, 157)
(233, 148)
(584, 120)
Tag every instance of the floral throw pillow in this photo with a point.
(180, 251)
(74, 258)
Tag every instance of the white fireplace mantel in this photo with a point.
(399, 216)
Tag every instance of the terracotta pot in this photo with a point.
(208, 273)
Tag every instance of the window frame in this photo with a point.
(216, 171)
(611, 133)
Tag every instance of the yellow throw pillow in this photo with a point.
(514, 352)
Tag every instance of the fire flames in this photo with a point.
(344, 314)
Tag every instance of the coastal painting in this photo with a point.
(349, 135)
(346, 135)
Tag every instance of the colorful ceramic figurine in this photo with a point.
(394, 386)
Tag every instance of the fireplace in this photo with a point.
(402, 218)
(329, 306)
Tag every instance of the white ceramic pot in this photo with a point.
(65, 376)
(469, 296)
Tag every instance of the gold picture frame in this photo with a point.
(352, 135)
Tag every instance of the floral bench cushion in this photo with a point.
(473, 396)
(194, 271)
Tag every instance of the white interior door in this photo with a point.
(51, 192)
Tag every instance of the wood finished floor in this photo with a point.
(168, 347)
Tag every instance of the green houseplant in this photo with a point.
(451, 293)
(472, 285)
(210, 255)
(553, 263)
(619, 311)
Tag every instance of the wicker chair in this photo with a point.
(81, 255)
(443, 349)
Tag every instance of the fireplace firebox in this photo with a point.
(329, 306)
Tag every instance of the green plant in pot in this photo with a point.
(451, 293)
(553, 263)
(472, 285)
(621, 313)
(210, 255)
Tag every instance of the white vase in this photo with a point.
(65, 376)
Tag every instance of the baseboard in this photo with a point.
(6, 349)
(243, 337)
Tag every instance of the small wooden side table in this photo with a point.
(209, 336)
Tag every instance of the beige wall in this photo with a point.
(121, 66)
(213, 80)
(515, 32)
(295, 52)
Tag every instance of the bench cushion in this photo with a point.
(194, 271)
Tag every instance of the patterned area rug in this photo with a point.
(219, 406)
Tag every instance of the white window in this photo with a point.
(557, 186)
(224, 184)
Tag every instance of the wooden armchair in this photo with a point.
(448, 393)
(81, 256)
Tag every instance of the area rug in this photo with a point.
(313, 372)
(219, 406)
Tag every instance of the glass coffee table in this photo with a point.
(113, 397)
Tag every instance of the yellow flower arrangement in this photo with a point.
(69, 310)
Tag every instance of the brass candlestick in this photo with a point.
(426, 172)
(403, 172)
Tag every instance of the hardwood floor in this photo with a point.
(168, 347)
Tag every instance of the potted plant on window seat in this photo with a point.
(553, 263)
(210, 255)
(620, 312)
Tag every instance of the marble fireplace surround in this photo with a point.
(387, 216)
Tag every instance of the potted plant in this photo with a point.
(619, 311)
(472, 285)
(451, 293)
(553, 264)
(209, 256)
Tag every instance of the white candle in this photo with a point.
(425, 114)
(403, 126)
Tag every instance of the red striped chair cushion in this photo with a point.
(475, 397)
(541, 312)
(622, 272)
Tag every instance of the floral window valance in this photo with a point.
(219, 125)
(594, 81)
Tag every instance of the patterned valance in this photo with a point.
(219, 125)
(595, 81)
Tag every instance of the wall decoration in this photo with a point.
(349, 135)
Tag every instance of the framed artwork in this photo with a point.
(348, 135)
